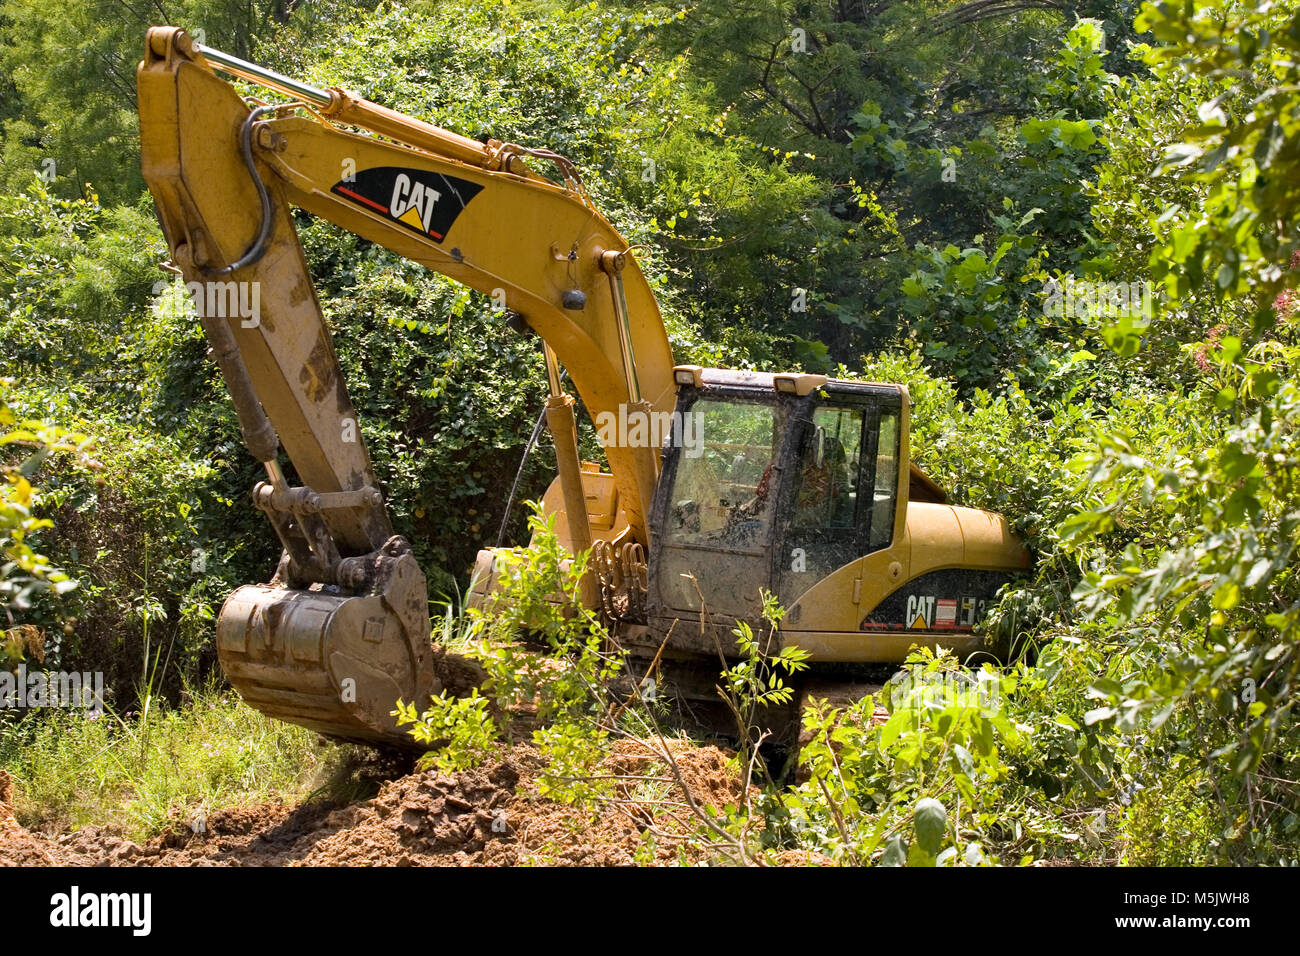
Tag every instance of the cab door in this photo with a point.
(715, 508)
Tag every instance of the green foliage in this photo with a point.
(928, 126)
(756, 686)
(978, 309)
(24, 571)
(75, 273)
(89, 345)
(1206, 599)
(457, 730)
(144, 525)
(974, 312)
(1172, 822)
(539, 597)
(574, 753)
(1165, 543)
(926, 788)
(68, 74)
(1244, 165)
(756, 678)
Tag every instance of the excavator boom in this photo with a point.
(342, 631)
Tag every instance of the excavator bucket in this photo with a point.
(332, 663)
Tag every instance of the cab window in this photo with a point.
(826, 494)
(722, 493)
(884, 492)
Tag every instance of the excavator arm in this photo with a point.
(342, 630)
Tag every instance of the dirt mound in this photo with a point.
(20, 848)
(490, 816)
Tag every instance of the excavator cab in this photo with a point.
(786, 478)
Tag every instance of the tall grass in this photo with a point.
(140, 771)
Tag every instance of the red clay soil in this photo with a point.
(490, 816)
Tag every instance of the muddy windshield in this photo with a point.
(723, 491)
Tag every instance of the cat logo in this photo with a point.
(423, 202)
(920, 611)
(413, 203)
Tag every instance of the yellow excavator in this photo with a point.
(720, 485)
